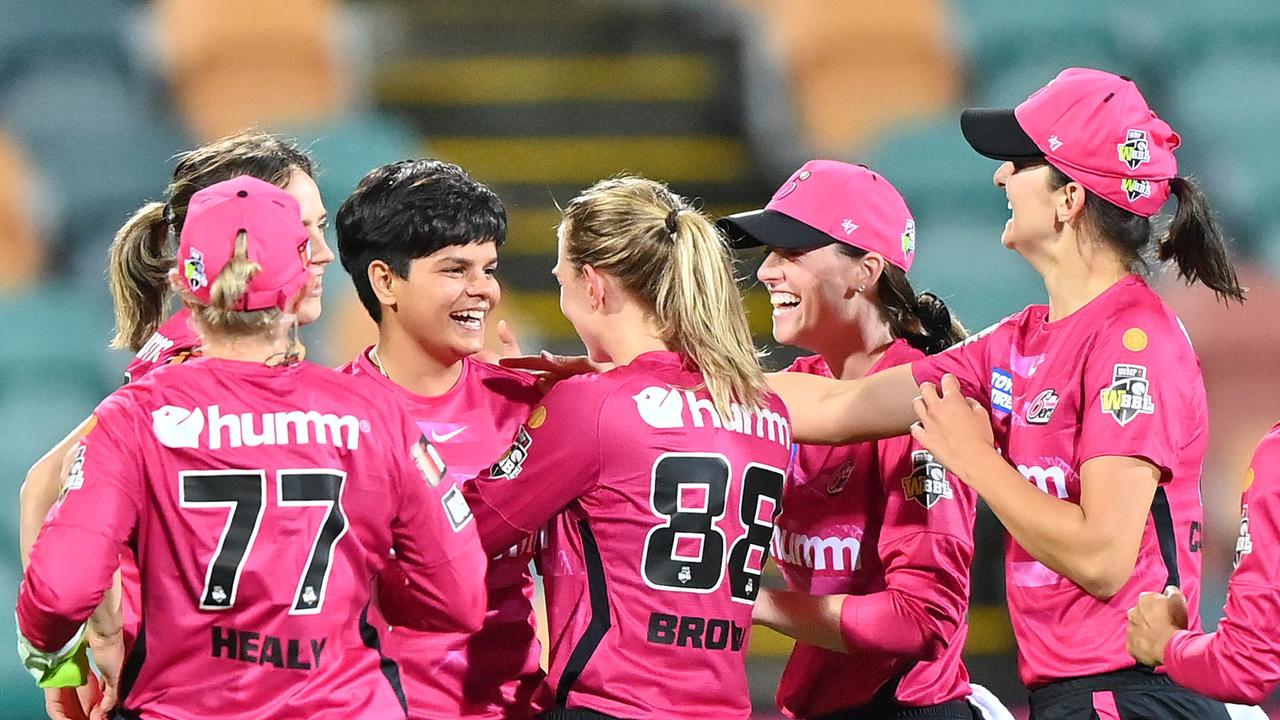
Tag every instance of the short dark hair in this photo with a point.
(410, 209)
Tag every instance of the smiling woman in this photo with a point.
(420, 239)
(1095, 400)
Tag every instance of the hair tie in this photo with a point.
(671, 220)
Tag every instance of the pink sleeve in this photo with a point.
(554, 459)
(79, 547)
(1135, 402)
(926, 547)
(967, 361)
(436, 581)
(1241, 661)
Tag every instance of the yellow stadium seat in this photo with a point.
(856, 69)
(20, 244)
(243, 63)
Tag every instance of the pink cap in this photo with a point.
(827, 201)
(277, 241)
(1093, 126)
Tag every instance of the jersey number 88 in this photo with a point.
(687, 552)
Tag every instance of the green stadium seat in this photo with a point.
(1225, 110)
(937, 172)
(964, 263)
(102, 147)
(347, 148)
(22, 699)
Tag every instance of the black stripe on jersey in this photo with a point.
(600, 620)
(129, 673)
(369, 634)
(1164, 533)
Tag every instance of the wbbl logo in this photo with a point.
(1134, 189)
(1129, 395)
(1136, 149)
(928, 481)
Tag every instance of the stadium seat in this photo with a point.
(964, 263)
(937, 172)
(20, 241)
(98, 141)
(33, 33)
(346, 148)
(1014, 48)
(22, 699)
(227, 74)
(1226, 110)
(855, 71)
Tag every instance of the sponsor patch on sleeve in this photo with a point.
(456, 508)
(429, 462)
(1040, 411)
(75, 474)
(1244, 542)
(508, 466)
(928, 482)
(1001, 390)
(1129, 394)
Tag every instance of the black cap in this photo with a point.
(772, 228)
(995, 132)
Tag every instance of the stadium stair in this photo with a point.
(540, 99)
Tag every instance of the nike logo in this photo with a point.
(446, 437)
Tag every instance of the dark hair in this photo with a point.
(922, 320)
(1193, 239)
(145, 247)
(410, 209)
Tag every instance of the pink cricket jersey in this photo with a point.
(661, 514)
(1241, 661)
(261, 503)
(493, 673)
(1118, 377)
(174, 340)
(885, 523)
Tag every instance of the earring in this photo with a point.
(862, 288)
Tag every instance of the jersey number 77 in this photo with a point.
(244, 494)
(687, 552)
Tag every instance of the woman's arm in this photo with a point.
(837, 412)
(814, 619)
(1094, 544)
(42, 487)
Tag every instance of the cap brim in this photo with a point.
(771, 228)
(995, 132)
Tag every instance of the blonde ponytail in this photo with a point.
(671, 256)
(144, 249)
(699, 307)
(222, 315)
(141, 255)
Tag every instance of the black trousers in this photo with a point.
(952, 710)
(1131, 694)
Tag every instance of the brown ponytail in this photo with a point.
(923, 320)
(138, 273)
(1194, 242)
(144, 249)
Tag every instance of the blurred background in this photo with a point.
(722, 99)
